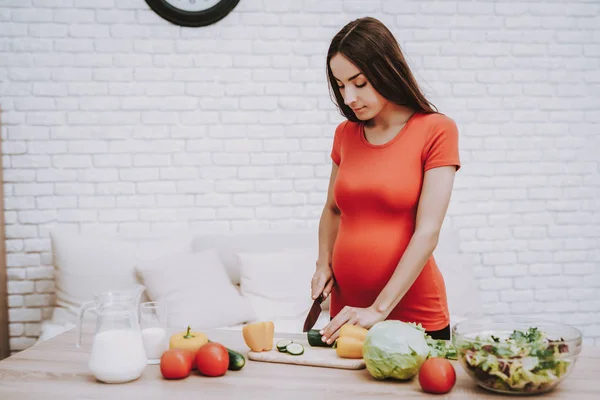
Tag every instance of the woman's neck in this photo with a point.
(391, 116)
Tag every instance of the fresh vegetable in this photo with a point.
(236, 360)
(176, 364)
(188, 340)
(259, 336)
(294, 349)
(349, 347)
(349, 330)
(437, 376)
(282, 344)
(522, 362)
(350, 341)
(212, 359)
(440, 348)
(395, 349)
(314, 339)
(289, 346)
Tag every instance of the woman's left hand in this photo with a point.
(364, 317)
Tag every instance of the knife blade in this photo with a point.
(313, 314)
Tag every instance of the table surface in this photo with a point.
(56, 369)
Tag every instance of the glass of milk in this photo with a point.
(153, 323)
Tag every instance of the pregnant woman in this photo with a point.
(394, 161)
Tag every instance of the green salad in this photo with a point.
(523, 362)
(440, 348)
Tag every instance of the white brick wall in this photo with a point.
(117, 120)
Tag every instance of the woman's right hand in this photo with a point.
(322, 280)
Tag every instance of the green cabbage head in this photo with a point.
(395, 349)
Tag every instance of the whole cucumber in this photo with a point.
(314, 339)
(236, 360)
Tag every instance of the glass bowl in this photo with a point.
(512, 355)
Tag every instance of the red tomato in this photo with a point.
(176, 364)
(212, 359)
(437, 375)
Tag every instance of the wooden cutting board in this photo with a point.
(313, 356)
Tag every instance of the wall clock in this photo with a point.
(192, 12)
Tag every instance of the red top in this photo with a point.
(377, 190)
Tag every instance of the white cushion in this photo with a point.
(48, 330)
(86, 264)
(196, 289)
(229, 245)
(277, 284)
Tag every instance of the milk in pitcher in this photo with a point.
(118, 356)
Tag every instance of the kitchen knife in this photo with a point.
(313, 314)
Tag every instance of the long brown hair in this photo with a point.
(370, 45)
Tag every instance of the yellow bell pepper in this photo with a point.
(350, 341)
(349, 347)
(358, 332)
(259, 336)
(188, 340)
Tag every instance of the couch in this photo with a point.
(216, 280)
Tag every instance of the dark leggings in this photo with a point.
(443, 334)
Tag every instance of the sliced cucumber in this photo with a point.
(295, 349)
(282, 344)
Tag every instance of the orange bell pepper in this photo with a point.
(259, 336)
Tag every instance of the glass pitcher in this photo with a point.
(117, 350)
